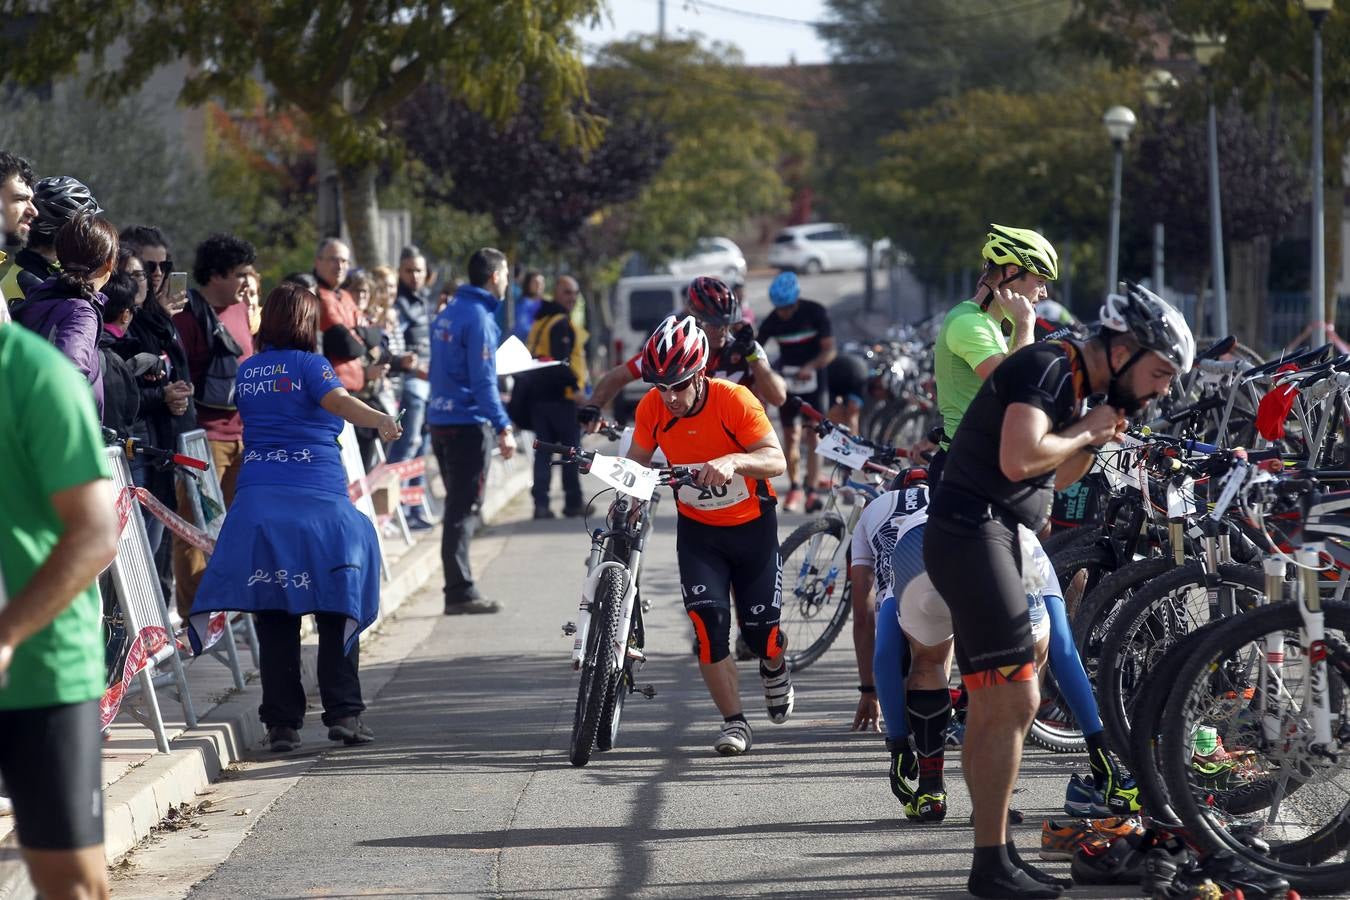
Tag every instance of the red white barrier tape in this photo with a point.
(413, 496)
(142, 648)
(412, 468)
(176, 523)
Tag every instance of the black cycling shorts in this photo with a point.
(847, 376)
(977, 568)
(52, 770)
(716, 560)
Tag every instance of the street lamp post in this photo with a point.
(1317, 11)
(1206, 49)
(1119, 122)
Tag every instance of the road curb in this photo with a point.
(140, 799)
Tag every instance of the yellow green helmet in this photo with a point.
(1021, 247)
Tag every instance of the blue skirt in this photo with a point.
(290, 549)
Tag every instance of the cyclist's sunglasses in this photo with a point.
(664, 388)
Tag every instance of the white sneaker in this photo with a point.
(6, 807)
(734, 739)
(778, 693)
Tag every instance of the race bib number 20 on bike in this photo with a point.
(709, 497)
(625, 476)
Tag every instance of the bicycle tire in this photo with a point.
(1093, 560)
(1059, 540)
(1056, 737)
(597, 666)
(607, 735)
(1297, 860)
(825, 601)
(1117, 687)
(1143, 752)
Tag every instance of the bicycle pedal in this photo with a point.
(635, 653)
(569, 628)
(647, 691)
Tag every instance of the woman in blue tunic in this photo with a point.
(293, 544)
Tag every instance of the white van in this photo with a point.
(638, 305)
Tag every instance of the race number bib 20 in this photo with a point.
(701, 496)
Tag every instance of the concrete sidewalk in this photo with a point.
(141, 786)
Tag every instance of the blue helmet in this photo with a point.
(785, 290)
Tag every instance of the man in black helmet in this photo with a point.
(1026, 431)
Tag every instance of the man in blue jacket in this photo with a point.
(466, 416)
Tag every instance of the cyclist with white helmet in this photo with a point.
(1017, 264)
(1027, 431)
(726, 535)
(806, 347)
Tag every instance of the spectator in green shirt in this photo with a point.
(58, 531)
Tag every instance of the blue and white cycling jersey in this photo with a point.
(874, 536)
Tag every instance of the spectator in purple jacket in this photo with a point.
(67, 309)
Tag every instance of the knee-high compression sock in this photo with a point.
(888, 671)
(929, 713)
(1068, 670)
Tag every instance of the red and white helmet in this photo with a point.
(677, 350)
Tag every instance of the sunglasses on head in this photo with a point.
(666, 388)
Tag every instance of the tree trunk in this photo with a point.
(1249, 270)
(361, 212)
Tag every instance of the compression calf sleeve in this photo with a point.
(929, 713)
(888, 671)
(1068, 670)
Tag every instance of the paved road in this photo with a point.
(468, 791)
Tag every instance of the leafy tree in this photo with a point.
(733, 147)
(958, 165)
(138, 173)
(1268, 50)
(344, 66)
(538, 192)
(1263, 186)
(892, 58)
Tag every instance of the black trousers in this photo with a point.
(463, 452)
(555, 421)
(283, 703)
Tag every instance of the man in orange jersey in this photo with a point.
(727, 534)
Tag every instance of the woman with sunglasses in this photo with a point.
(727, 534)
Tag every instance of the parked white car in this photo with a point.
(716, 256)
(822, 247)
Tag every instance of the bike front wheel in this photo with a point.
(599, 670)
(815, 590)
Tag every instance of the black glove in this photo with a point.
(742, 338)
(588, 414)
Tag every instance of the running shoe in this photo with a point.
(778, 693)
(1052, 714)
(1082, 800)
(814, 503)
(1060, 840)
(955, 734)
(1116, 863)
(796, 499)
(282, 739)
(929, 808)
(734, 739)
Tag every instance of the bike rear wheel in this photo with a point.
(599, 670)
(815, 593)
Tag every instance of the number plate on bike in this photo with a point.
(625, 476)
(837, 447)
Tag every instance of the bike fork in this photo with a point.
(1315, 647)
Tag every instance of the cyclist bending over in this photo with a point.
(726, 536)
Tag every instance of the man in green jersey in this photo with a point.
(1018, 263)
(58, 531)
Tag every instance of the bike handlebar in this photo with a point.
(133, 448)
